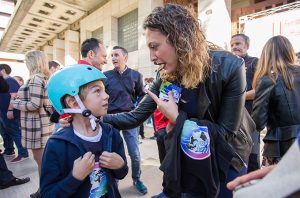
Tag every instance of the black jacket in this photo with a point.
(174, 160)
(119, 98)
(250, 64)
(60, 153)
(221, 102)
(277, 108)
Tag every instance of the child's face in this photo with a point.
(96, 99)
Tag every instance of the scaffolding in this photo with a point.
(271, 11)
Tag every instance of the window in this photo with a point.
(98, 34)
(128, 31)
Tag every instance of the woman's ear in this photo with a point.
(71, 102)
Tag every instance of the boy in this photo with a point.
(86, 158)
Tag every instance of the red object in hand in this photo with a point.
(65, 115)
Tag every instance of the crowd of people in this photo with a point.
(208, 108)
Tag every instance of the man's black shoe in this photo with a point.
(15, 182)
(36, 194)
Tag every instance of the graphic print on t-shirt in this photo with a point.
(195, 141)
(98, 181)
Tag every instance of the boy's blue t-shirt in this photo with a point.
(98, 175)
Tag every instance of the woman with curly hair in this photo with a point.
(34, 106)
(277, 99)
(208, 141)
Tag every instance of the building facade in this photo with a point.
(58, 27)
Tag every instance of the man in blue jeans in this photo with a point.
(8, 143)
(6, 177)
(125, 87)
(11, 116)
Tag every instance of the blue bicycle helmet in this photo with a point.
(68, 80)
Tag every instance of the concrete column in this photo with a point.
(215, 21)
(71, 47)
(110, 37)
(145, 66)
(59, 50)
(48, 50)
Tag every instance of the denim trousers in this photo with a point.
(13, 129)
(231, 175)
(131, 137)
(8, 142)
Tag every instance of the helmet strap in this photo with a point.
(84, 111)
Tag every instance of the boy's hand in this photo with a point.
(83, 166)
(111, 160)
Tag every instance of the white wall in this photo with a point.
(17, 68)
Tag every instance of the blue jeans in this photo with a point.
(131, 137)
(8, 143)
(231, 175)
(13, 129)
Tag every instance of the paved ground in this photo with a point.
(151, 175)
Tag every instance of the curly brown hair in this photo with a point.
(182, 29)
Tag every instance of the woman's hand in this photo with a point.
(258, 174)
(65, 122)
(168, 108)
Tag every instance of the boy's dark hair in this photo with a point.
(53, 64)
(6, 67)
(89, 44)
(245, 37)
(124, 51)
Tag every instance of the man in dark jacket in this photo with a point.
(239, 46)
(125, 87)
(6, 177)
(11, 116)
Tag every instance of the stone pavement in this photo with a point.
(151, 175)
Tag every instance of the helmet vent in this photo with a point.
(89, 68)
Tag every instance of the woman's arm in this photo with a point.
(137, 116)
(37, 92)
(233, 99)
(261, 102)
